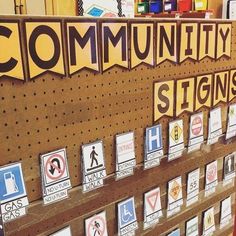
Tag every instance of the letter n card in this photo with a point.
(211, 178)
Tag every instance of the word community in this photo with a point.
(151, 42)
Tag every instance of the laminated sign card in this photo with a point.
(176, 139)
(96, 225)
(215, 126)
(94, 170)
(195, 132)
(125, 155)
(211, 179)
(193, 187)
(231, 126)
(229, 169)
(152, 208)
(55, 176)
(153, 147)
(209, 222)
(192, 227)
(63, 232)
(127, 220)
(13, 196)
(225, 212)
(175, 196)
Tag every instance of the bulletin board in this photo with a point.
(51, 112)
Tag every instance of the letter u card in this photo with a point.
(209, 222)
(55, 176)
(211, 178)
(94, 170)
(152, 208)
(225, 212)
(175, 196)
(176, 139)
(231, 126)
(153, 147)
(125, 155)
(215, 126)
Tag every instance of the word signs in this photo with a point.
(231, 126)
(94, 170)
(176, 139)
(211, 179)
(195, 132)
(215, 126)
(13, 196)
(225, 212)
(1, 224)
(193, 187)
(153, 147)
(125, 155)
(229, 168)
(192, 227)
(175, 196)
(127, 220)
(63, 232)
(208, 222)
(96, 225)
(152, 208)
(55, 176)
(174, 233)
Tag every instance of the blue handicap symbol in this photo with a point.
(95, 11)
(127, 212)
(153, 139)
(11, 183)
(175, 233)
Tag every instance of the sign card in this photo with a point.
(125, 155)
(175, 196)
(176, 232)
(195, 132)
(55, 176)
(63, 232)
(13, 196)
(193, 187)
(1, 224)
(215, 126)
(208, 222)
(96, 225)
(225, 212)
(229, 168)
(176, 139)
(211, 178)
(94, 170)
(152, 208)
(153, 147)
(192, 227)
(231, 126)
(127, 220)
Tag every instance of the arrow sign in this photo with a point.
(53, 167)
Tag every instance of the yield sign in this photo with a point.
(152, 200)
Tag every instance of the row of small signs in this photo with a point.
(127, 220)
(56, 182)
(173, 97)
(103, 44)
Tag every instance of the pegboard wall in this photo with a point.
(50, 112)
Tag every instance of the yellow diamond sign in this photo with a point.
(176, 133)
(175, 190)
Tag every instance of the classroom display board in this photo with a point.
(81, 135)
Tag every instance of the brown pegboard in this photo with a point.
(49, 113)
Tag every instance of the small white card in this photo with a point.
(193, 186)
(208, 222)
(176, 139)
(211, 178)
(192, 227)
(231, 126)
(229, 169)
(226, 212)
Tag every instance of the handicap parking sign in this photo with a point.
(153, 138)
(126, 212)
(12, 184)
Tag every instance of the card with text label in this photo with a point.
(231, 126)
(211, 178)
(226, 212)
(209, 222)
(193, 186)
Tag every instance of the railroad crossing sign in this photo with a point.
(96, 225)
(54, 166)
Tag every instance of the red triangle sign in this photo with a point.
(152, 200)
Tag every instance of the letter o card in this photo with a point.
(229, 169)
(55, 176)
(96, 225)
(208, 222)
(175, 196)
(94, 170)
(225, 212)
(211, 178)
